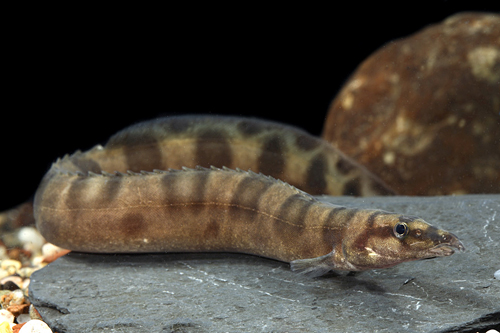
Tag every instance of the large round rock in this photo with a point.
(423, 112)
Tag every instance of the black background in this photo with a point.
(76, 76)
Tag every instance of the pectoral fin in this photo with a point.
(313, 267)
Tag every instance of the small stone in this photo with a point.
(50, 249)
(10, 285)
(34, 313)
(6, 316)
(51, 252)
(23, 318)
(31, 239)
(497, 275)
(25, 272)
(15, 297)
(18, 254)
(423, 112)
(13, 278)
(37, 261)
(18, 309)
(17, 327)
(9, 264)
(35, 326)
(11, 270)
(26, 284)
(5, 327)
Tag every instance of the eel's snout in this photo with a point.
(447, 245)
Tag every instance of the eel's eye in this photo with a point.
(401, 230)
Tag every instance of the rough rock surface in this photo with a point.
(423, 112)
(242, 293)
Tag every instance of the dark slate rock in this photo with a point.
(242, 293)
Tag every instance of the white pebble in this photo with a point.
(492, 331)
(37, 261)
(23, 318)
(17, 297)
(10, 264)
(26, 284)
(6, 316)
(50, 249)
(25, 272)
(497, 275)
(35, 326)
(31, 239)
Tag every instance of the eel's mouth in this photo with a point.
(447, 246)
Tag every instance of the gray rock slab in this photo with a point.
(223, 292)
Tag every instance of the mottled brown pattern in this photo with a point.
(131, 224)
(137, 135)
(178, 124)
(218, 152)
(111, 189)
(85, 164)
(293, 207)
(249, 128)
(201, 186)
(73, 195)
(317, 170)
(214, 209)
(212, 229)
(306, 143)
(371, 219)
(423, 112)
(141, 157)
(248, 192)
(273, 160)
(274, 149)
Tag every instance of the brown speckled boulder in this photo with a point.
(423, 112)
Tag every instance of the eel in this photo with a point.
(224, 184)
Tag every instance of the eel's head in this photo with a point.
(393, 239)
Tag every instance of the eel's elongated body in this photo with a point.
(82, 205)
(283, 152)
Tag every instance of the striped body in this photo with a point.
(277, 150)
(81, 206)
(187, 210)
